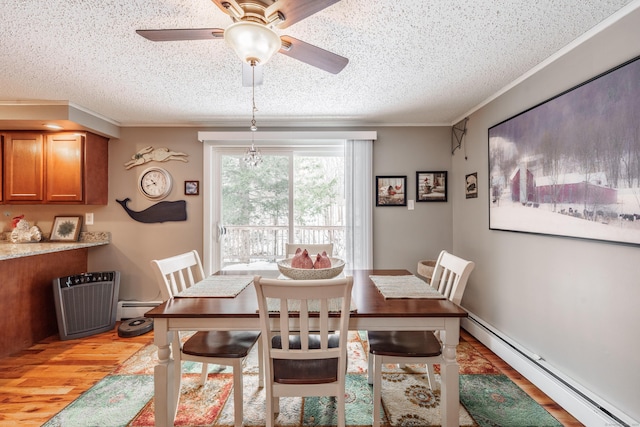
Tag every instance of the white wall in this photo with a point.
(573, 302)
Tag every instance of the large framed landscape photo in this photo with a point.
(570, 166)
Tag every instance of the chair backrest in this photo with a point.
(313, 249)
(316, 303)
(450, 276)
(177, 273)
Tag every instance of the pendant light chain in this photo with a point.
(253, 157)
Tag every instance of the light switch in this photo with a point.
(410, 205)
(88, 218)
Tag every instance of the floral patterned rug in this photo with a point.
(125, 398)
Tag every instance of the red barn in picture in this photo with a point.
(576, 188)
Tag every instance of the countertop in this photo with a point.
(10, 250)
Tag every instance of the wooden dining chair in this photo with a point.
(450, 276)
(309, 360)
(313, 249)
(226, 348)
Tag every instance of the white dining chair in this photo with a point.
(402, 347)
(309, 360)
(226, 348)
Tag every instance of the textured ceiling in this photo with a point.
(410, 61)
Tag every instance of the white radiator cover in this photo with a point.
(589, 409)
(133, 309)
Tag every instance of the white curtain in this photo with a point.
(359, 195)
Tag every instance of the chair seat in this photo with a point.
(227, 344)
(404, 343)
(312, 371)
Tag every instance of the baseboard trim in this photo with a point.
(580, 403)
(133, 309)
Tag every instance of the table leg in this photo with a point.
(165, 394)
(449, 372)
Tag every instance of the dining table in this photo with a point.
(371, 310)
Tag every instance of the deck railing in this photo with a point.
(245, 244)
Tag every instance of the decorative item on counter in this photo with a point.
(66, 228)
(150, 154)
(15, 220)
(23, 232)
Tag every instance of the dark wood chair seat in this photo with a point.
(313, 371)
(404, 344)
(229, 344)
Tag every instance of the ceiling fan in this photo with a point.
(252, 36)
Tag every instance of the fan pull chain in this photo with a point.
(253, 96)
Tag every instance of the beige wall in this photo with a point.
(402, 237)
(573, 302)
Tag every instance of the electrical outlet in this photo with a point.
(88, 219)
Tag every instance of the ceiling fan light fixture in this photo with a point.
(252, 42)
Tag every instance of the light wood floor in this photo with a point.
(37, 383)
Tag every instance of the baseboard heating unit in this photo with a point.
(588, 408)
(133, 309)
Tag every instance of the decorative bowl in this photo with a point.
(337, 265)
(426, 268)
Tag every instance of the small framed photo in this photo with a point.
(471, 185)
(192, 188)
(391, 191)
(431, 186)
(66, 229)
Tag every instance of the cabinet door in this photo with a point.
(1, 174)
(23, 167)
(64, 165)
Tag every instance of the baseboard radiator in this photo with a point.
(133, 309)
(589, 409)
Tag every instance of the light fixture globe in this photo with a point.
(252, 41)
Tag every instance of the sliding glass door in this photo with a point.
(294, 195)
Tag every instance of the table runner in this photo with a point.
(217, 287)
(408, 286)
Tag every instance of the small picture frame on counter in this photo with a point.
(66, 228)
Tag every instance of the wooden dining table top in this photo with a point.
(368, 300)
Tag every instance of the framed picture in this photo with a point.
(65, 228)
(471, 185)
(569, 166)
(391, 191)
(192, 188)
(431, 186)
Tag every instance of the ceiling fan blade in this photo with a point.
(312, 55)
(182, 34)
(296, 10)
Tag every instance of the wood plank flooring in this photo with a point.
(37, 383)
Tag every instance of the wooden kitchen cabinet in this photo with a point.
(1, 167)
(23, 167)
(55, 168)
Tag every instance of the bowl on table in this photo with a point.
(337, 265)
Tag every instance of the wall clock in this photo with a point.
(155, 183)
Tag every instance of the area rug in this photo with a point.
(125, 398)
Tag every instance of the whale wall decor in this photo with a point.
(160, 212)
